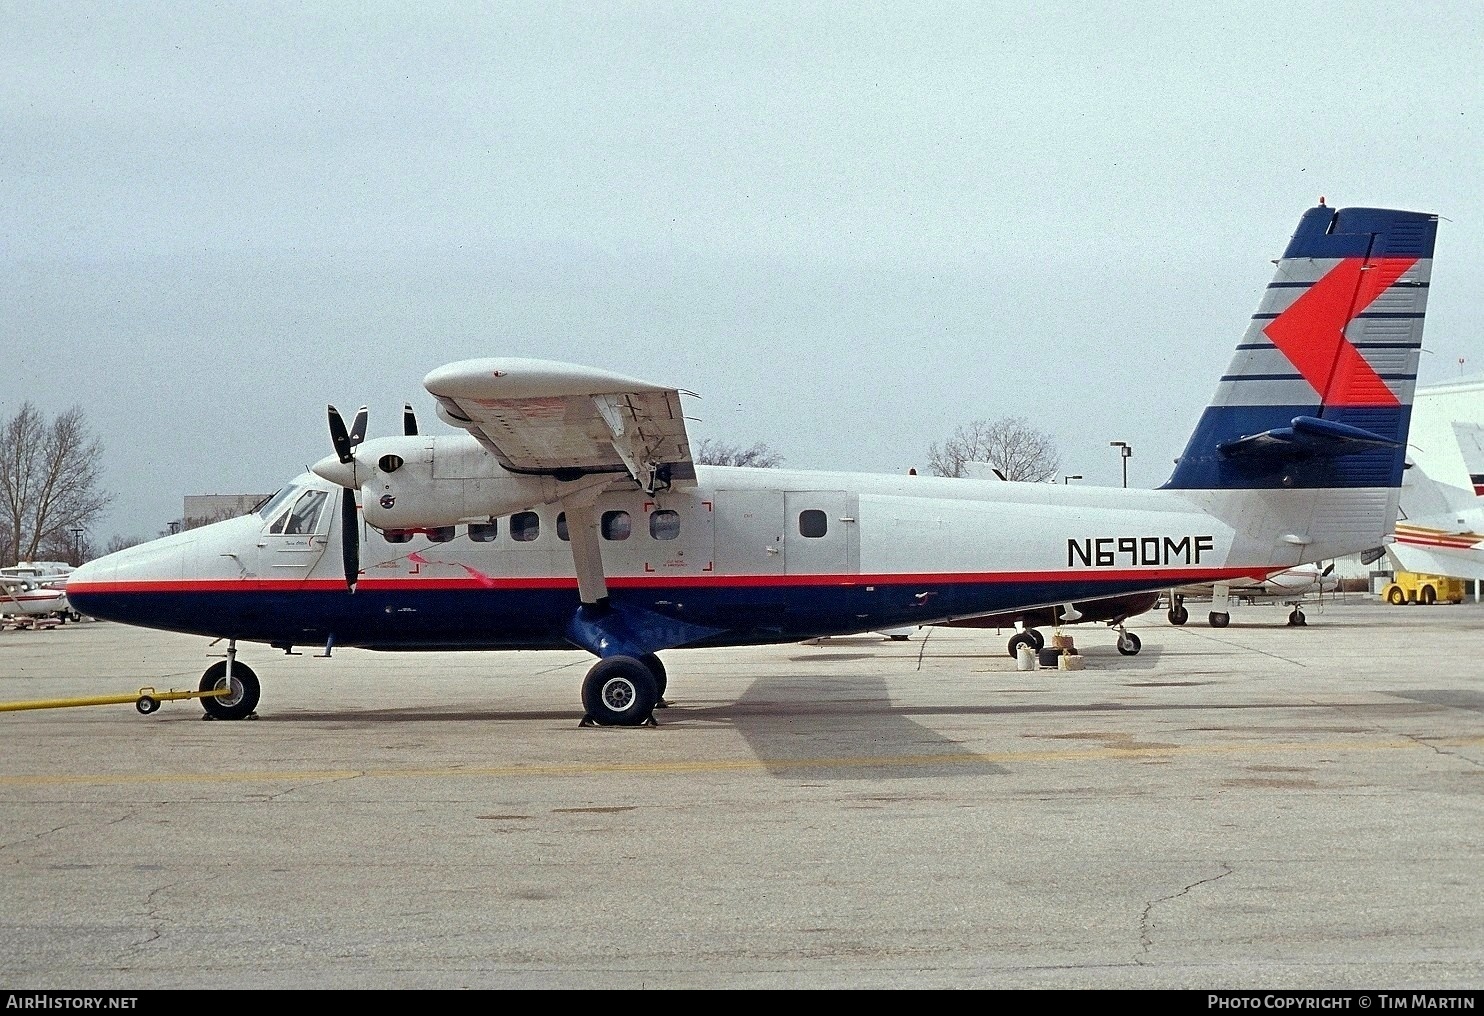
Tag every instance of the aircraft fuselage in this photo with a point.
(745, 556)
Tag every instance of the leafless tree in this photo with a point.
(1009, 444)
(117, 542)
(49, 481)
(719, 453)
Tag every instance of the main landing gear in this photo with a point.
(624, 691)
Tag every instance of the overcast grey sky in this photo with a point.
(849, 227)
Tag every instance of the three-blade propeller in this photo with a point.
(345, 442)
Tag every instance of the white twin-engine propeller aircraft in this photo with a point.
(570, 512)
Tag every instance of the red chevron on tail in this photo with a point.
(1311, 332)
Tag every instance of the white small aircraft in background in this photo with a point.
(36, 590)
(1440, 522)
(569, 512)
(1291, 586)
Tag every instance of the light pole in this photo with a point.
(1071, 476)
(1126, 450)
(77, 545)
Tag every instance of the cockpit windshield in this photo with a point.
(271, 505)
(301, 519)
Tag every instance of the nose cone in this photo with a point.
(331, 468)
(113, 586)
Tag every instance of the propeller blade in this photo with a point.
(409, 421)
(350, 537)
(339, 437)
(358, 427)
(1326, 571)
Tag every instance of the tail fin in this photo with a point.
(1439, 531)
(1319, 393)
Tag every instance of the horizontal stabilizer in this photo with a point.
(1305, 437)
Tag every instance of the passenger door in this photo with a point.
(820, 535)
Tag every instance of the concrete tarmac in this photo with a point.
(1254, 807)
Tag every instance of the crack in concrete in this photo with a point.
(1146, 924)
(1439, 750)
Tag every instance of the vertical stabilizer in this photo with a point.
(1319, 393)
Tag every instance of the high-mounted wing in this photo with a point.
(539, 416)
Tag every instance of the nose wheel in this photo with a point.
(242, 689)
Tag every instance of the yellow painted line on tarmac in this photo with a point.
(1102, 754)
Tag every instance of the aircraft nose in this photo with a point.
(331, 468)
(115, 587)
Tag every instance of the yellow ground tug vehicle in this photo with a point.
(1415, 587)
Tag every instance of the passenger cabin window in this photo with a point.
(300, 519)
(483, 532)
(441, 535)
(617, 526)
(813, 523)
(525, 526)
(562, 526)
(664, 524)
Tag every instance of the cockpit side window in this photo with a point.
(301, 519)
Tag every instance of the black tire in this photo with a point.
(661, 680)
(1297, 619)
(619, 692)
(1395, 596)
(1024, 638)
(1178, 615)
(1429, 596)
(1129, 644)
(1219, 619)
(244, 698)
(147, 704)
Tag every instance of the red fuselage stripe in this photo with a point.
(1153, 576)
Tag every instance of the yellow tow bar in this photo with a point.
(146, 700)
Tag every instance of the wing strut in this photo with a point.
(587, 552)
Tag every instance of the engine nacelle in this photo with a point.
(432, 482)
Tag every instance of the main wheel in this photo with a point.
(1429, 595)
(1219, 619)
(241, 699)
(1178, 615)
(1395, 596)
(656, 671)
(1129, 644)
(619, 692)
